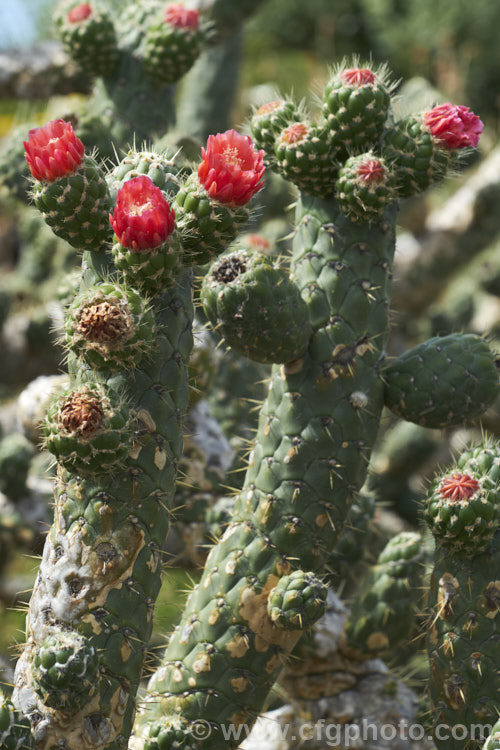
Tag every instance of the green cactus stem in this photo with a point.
(464, 601)
(88, 34)
(300, 482)
(443, 381)
(16, 453)
(383, 612)
(256, 308)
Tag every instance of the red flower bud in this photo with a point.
(458, 486)
(230, 169)
(371, 170)
(53, 151)
(142, 219)
(182, 18)
(357, 76)
(79, 13)
(455, 126)
(294, 133)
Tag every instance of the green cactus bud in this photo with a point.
(169, 734)
(365, 187)
(463, 505)
(110, 326)
(418, 160)
(297, 601)
(89, 37)
(356, 104)
(305, 156)
(89, 430)
(444, 381)
(383, 612)
(206, 226)
(77, 206)
(15, 731)
(256, 308)
(16, 453)
(269, 120)
(172, 44)
(66, 671)
(161, 169)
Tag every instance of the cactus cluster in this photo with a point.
(320, 320)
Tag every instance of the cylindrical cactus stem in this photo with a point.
(101, 567)
(383, 611)
(304, 470)
(464, 597)
(15, 732)
(88, 34)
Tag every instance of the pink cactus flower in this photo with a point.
(79, 13)
(456, 126)
(142, 219)
(182, 18)
(458, 486)
(53, 151)
(231, 169)
(358, 76)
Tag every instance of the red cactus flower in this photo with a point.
(142, 219)
(182, 18)
(357, 76)
(371, 170)
(53, 151)
(458, 486)
(231, 169)
(294, 133)
(79, 13)
(455, 126)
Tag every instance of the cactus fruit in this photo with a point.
(147, 249)
(172, 43)
(305, 156)
(15, 733)
(255, 307)
(463, 505)
(297, 601)
(162, 169)
(110, 326)
(356, 102)
(66, 671)
(269, 120)
(422, 148)
(89, 430)
(383, 611)
(365, 186)
(211, 207)
(69, 189)
(88, 35)
(443, 381)
(16, 453)
(465, 599)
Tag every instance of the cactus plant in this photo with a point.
(116, 433)
(316, 430)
